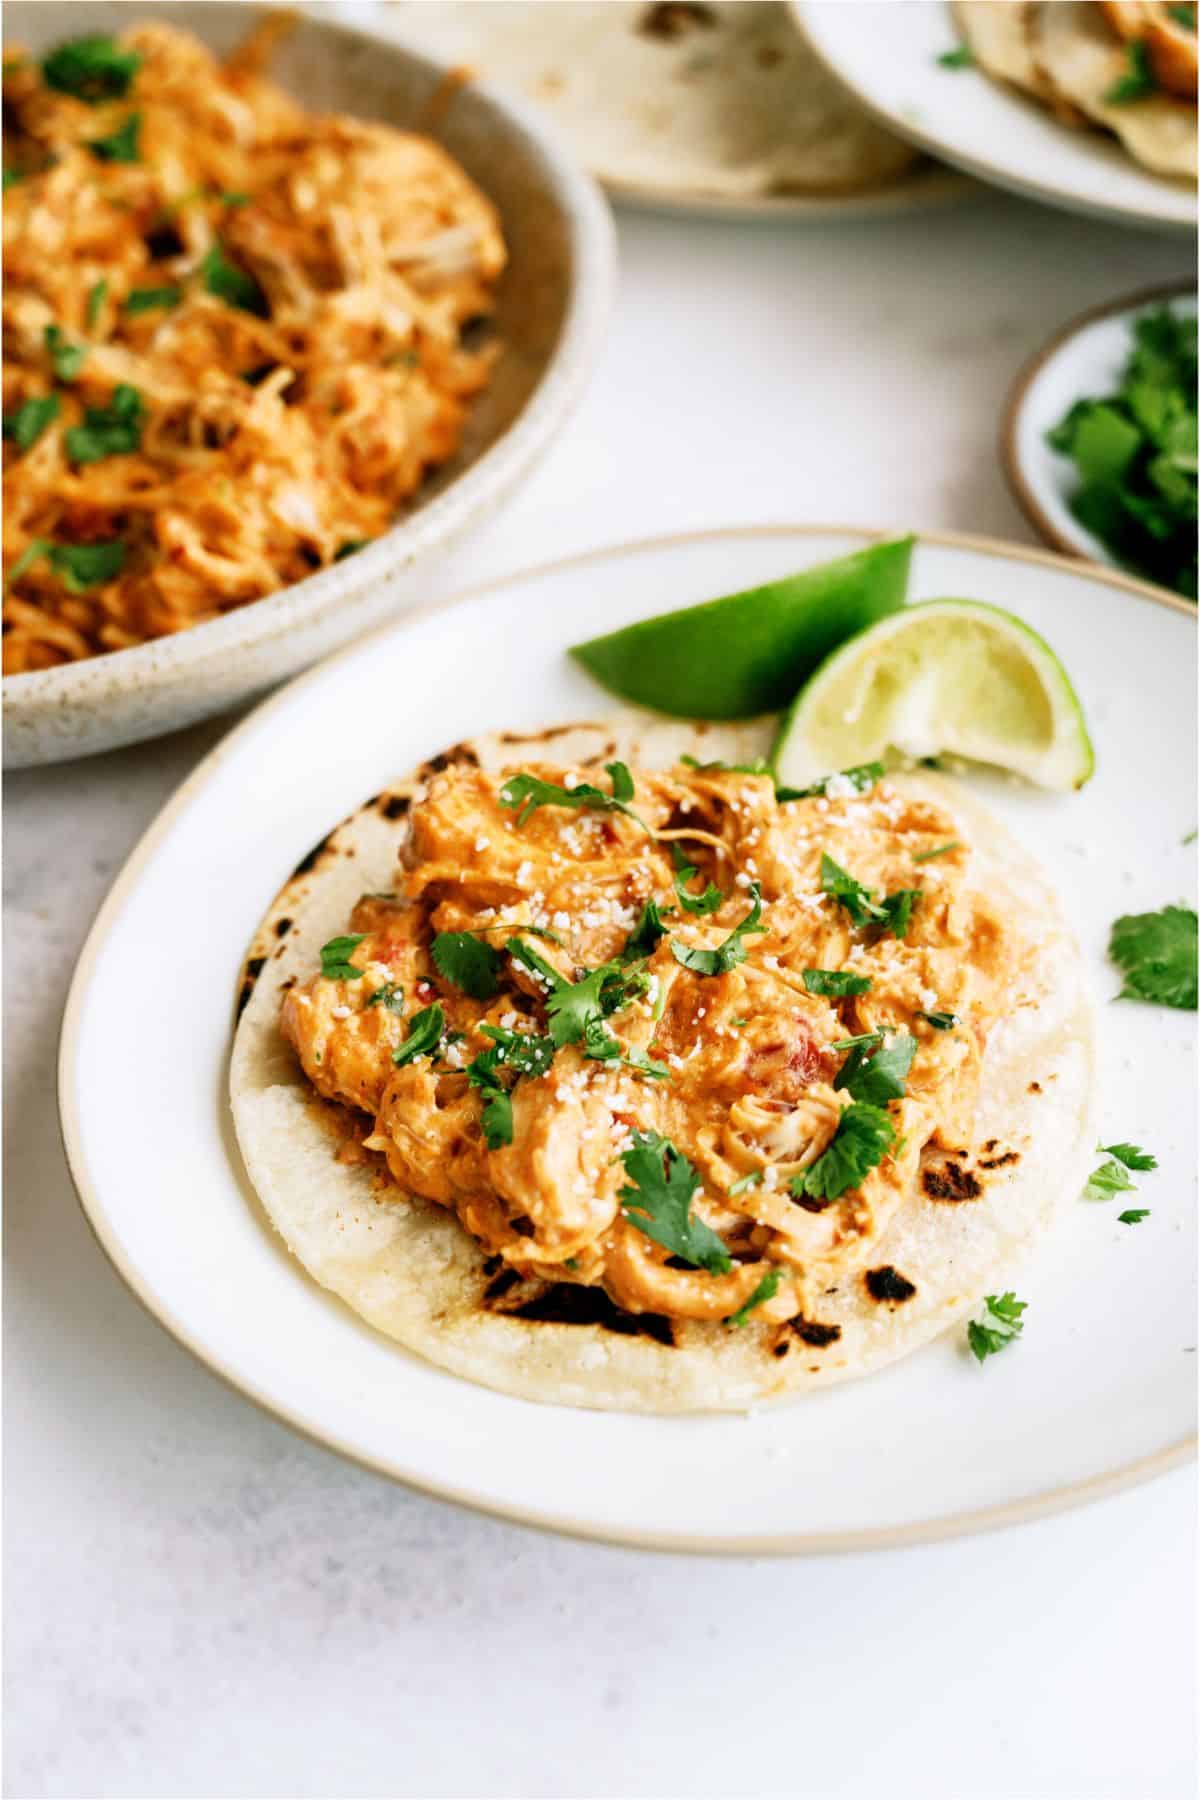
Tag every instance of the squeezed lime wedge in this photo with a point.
(951, 677)
(747, 653)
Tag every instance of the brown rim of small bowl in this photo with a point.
(1033, 365)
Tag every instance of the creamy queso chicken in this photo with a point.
(680, 1038)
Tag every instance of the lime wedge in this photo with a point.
(945, 676)
(748, 653)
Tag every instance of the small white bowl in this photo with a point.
(1083, 360)
(552, 309)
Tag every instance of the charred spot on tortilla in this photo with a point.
(1002, 1161)
(308, 863)
(949, 1181)
(393, 806)
(446, 759)
(1035, 1087)
(500, 1284)
(888, 1285)
(811, 1331)
(253, 969)
(670, 19)
(548, 733)
(569, 1303)
(282, 927)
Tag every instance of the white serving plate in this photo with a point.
(1099, 1393)
(1082, 361)
(552, 310)
(887, 55)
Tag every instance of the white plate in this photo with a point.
(887, 55)
(551, 314)
(623, 119)
(1098, 1394)
(1082, 361)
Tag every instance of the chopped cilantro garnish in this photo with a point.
(26, 425)
(861, 778)
(81, 566)
(122, 146)
(424, 1035)
(351, 547)
(941, 1021)
(645, 934)
(1183, 15)
(877, 1075)
(728, 954)
(897, 910)
(523, 1053)
(1001, 1323)
(961, 57)
(1134, 448)
(112, 430)
(66, 359)
(759, 766)
(529, 792)
(1109, 1179)
(140, 300)
(91, 68)
(390, 996)
(658, 1201)
(95, 300)
(1132, 1155)
(468, 962)
(864, 1136)
(745, 1182)
(1156, 953)
(834, 982)
(699, 904)
(335, 958)
(767, 1289)
(1133, 1215)
(232, 197)
(232, 284)
(894, 912)
(576, 1010)
(1139, 78)
(941, 850)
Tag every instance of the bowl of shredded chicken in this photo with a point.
(282, 312)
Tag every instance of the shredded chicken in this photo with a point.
(276, 300)
(748, 1057)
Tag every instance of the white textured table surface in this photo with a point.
(198, 1603)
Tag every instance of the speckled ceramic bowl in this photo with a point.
(553, 304)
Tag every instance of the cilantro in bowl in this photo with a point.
(1135, 452)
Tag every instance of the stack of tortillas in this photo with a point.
(675, 98)
(1129, 66)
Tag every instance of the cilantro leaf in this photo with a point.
(91, 68)
(861, 779)
(834, 981)
(699, 904)
(81, 566)
(335, 957)
(112, 430)
(941, 850)
(1133, 1215)
(658, 1200)
(66, 359)
(390, 996)
(1002, 1322)
(1156, 953)
(468, 962)
(1109, 1179)
(1132, 1155)
(759, 766)
(140, 300)
(537, 965)
(26, 425)
(529, 792)
(728, 954)
(880, 1077)
(122, 146)
(961, 57)
(850, 894)
(1139, 78)
(524, 1052)
(767, 1289)
(898, 908)
(232, 284)
(645, 934)
(941, 1021)
(97, 294)
(425, 1030)
(860, 1143)
(745, 1182)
